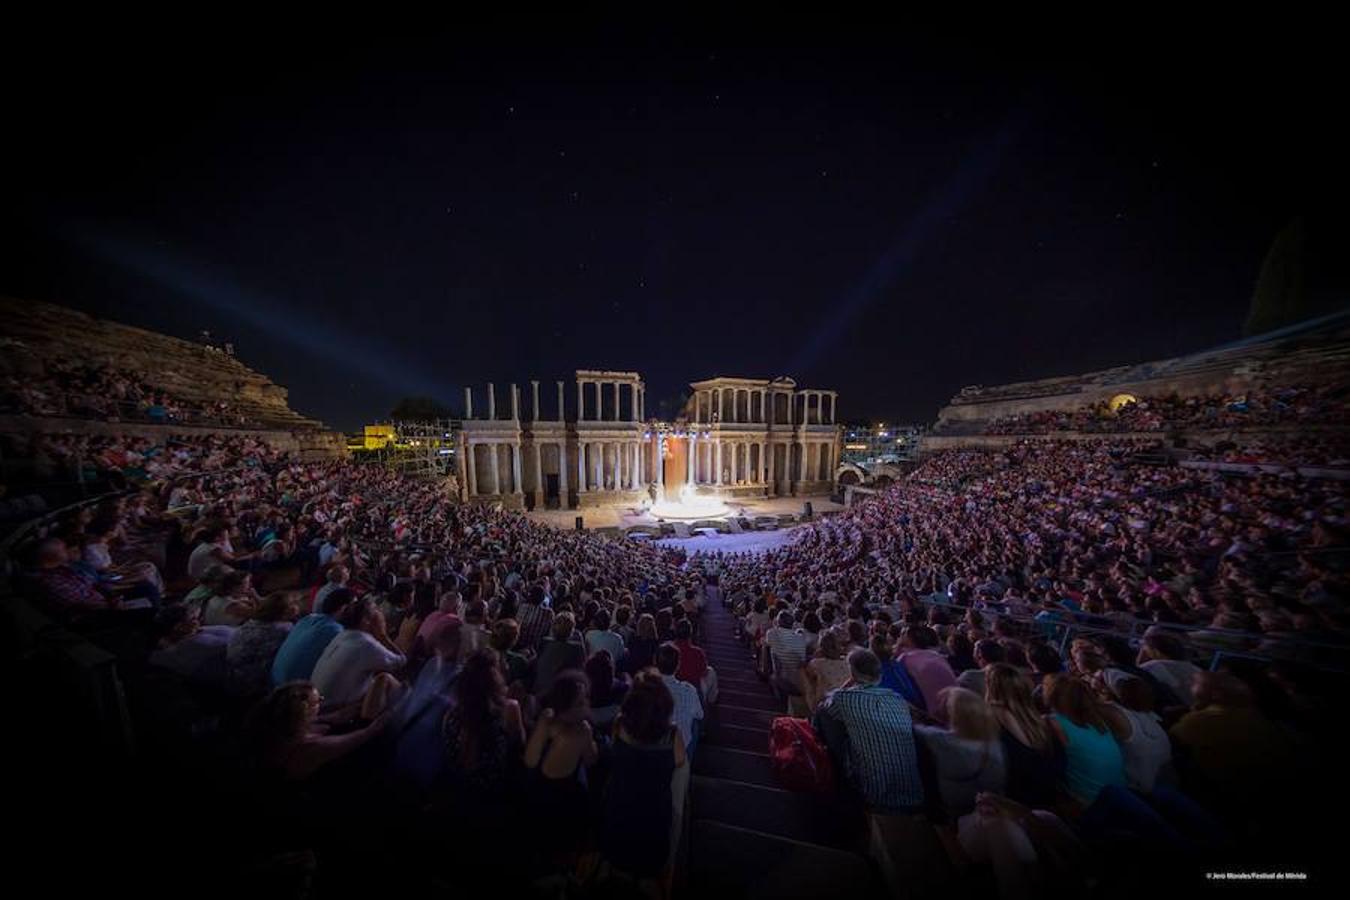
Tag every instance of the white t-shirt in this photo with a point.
(1146, 751)
(1176, 674)
(349, 664)
(203, 558)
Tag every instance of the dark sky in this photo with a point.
(889, 213)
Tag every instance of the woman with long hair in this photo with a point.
(560, 749)
(289, 738)
(1092, 754)
(638, 807)
(1035, 760)
(968, 756)
(483, 731)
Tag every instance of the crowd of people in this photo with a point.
(87, 390)
(1265, 407)
(1017, 643)
(362, 634)
(1022, 644)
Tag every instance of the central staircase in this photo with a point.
(748, 836)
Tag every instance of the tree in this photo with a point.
(419, 409)
(1280, 298)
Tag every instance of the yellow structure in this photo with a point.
(378, 437)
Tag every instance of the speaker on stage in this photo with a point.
(579, 528)
(806, 509)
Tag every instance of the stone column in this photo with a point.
(468, 403)
(581, 400)
(496, 487)
(492, 401)
(660, 462)
(718, 463)
(515, 468)
(773, 481)
(471, 476)
(538, 465)
(801, 462)
(599, 402)
(534, 417)
(618, 405)
(562, 467)
(693, 459)
(637, 404)
(581, 467)
(598, 457)
(562, 414)
(515, 404)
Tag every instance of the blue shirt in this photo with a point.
(300, 652)
(882, 758)
(1092, 761)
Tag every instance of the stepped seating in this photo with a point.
(187, 371)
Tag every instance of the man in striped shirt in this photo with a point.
(787, 650)
(874, 723)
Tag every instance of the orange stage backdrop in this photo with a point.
(677, 465)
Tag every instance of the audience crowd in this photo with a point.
(1020, 644)
(1254, 408)
(87, 390)
(1056, 649)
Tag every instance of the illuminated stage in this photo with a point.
(691, 506)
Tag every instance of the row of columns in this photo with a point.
(494, 449)
(515, 402)
(600, 465)
(637, 394)
(613, 453)
(712, 401)
(726, 461)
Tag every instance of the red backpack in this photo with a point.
(798, 757)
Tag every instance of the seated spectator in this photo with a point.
(98, 556)
(195, 652)
(637, 822)
(1143, 742)
(484, 736)
(299, 653)
(606, 689)
(560, 749)
(694, 668)
(235, 601)
(560, 651)
(987, 652)
(1163, 656)
(826, 671)
(968, 756)
(1091, 753)
(926, 666)
(894, 676)
(335, 580)
(600, 637)
(688, 707)
(868, 729)
(1229, 755)
(215, 549)
(785, 648)
(642, 649)
(358, 659)
(253, 648)
(505, 633)
(1035, 759)
(67, 593)
(290, 739)
(419, 755)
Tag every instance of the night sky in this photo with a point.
(887, 213)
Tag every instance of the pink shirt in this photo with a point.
(931, 673)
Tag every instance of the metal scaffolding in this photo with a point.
(419, 449)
